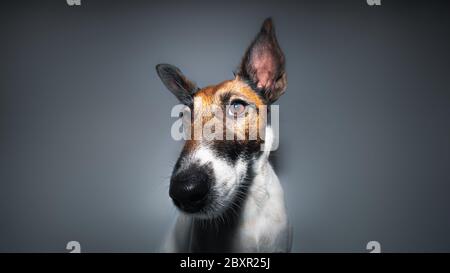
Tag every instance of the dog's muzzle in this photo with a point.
(189, 188)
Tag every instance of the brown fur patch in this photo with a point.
(212, 96)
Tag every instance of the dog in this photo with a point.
(228, 195)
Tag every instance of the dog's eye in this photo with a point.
(237, 108)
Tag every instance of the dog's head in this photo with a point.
(211, 172)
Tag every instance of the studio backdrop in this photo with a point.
(86, 151)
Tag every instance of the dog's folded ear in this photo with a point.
(263, 65)
(177, 83)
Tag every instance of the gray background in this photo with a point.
(85, 146)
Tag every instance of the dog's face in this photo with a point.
(211, 173)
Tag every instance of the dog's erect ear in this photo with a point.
(263, 65)
(177, 83)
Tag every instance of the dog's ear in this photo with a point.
(263, 65)
(177, 83)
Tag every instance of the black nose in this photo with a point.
(189, 189)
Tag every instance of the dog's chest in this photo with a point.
(227, 238)
(261, 234)
(261, 227)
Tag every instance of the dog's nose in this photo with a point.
(189, 189)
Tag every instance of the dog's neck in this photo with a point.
(220, 234)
